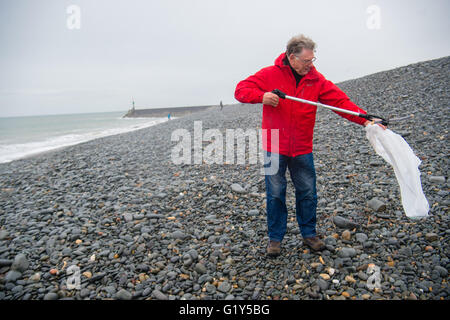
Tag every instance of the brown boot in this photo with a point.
(314, 243)
(273, 248)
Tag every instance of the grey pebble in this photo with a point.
(123, 294)
(437, 179)
(344, 223)
(200, 268)
(5, 262)
(361, 237)
(159, 295)
(431, 236)
(347, 252)
(20, 263)
(187, 260)
(3, 234)
(224, 287)
(178, 235)
(322, 284)
(146, 292)
(84, 292)
(51, 296)
(193, 253)
(110, 289)
(442, 271)
(376, 204)
(12, 276)
(211, 289)
(237, 188)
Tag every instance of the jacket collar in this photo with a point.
(312, 74)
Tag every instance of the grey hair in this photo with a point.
(298, 43)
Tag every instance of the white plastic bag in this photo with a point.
(396, 151)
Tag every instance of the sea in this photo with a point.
(24, 136)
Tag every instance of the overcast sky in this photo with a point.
(186, 53)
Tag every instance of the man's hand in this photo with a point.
(367, 122)
(271, 99)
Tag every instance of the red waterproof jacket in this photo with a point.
(294, 120)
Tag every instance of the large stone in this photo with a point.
(224, 287)
(178, 235)
(347, 252)
(361, 237)
(3, 234)
(20, 263)
(322, 284)
(5, 262)
(159, 295)
(200, 268)
(436, 179)
(12, 276)
(376, 204)
(237, 188)
(344, 223)
(431, 236)
(123, 294)
(51, 296)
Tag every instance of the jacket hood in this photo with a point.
(313, 73)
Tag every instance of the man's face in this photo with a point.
(302, 62)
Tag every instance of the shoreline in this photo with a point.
(86, 138)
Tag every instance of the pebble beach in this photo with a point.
(119, 220)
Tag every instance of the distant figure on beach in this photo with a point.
(168, 116)
(221, 105)
(295, 75)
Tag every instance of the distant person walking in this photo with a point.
(295, 75)
(168, 116)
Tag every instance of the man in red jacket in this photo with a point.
(295, 75)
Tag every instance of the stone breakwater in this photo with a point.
(164, 112)
(129, 224)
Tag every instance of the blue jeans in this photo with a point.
(303, 175)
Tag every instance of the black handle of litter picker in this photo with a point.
(279, 93)
(372, 117)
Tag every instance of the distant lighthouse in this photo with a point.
(130, 112)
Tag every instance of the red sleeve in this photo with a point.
(330, 94)
(252, 89)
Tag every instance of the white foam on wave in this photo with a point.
(11, 152)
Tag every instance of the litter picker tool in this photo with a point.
(370, 117)
(395, 150)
